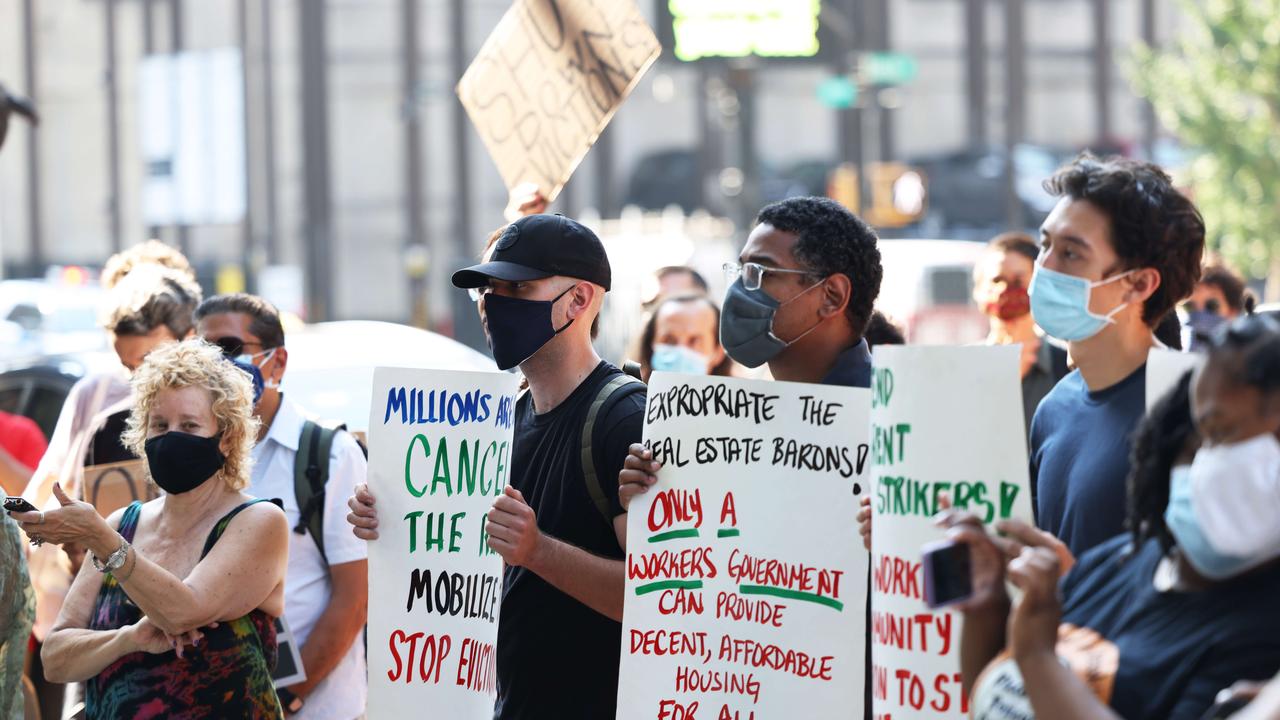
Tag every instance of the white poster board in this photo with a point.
(943, 420)
(746, 578)
(439, 448)
(1164, 368)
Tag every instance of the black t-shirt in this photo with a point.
(1080, 444)
(106, 446)
(558, 658)
(1146, 653)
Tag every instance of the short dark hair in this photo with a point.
(644, 347)
(150, 297)
(1152, 224)
(1238, 297)
(1015, 242)
(832, 240)
(882, 331)
(1169, 331)
(699, 281)
(264, 319)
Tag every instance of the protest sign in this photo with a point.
(112, 486)
(439, 448)
(548, 80)
(746, 579)
(944, 420)
(1164, 368)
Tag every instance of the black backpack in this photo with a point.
(619, 386)
(311, 473)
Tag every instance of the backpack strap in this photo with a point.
(623, 385)
(310, 474)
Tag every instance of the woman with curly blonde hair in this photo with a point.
(203, 566)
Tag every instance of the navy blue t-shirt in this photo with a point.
(1080, 443)
(1146, 653)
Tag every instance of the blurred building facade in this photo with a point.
(87, 198)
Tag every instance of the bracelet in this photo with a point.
(115, 561)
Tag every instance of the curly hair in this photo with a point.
(196, 363)
(150, 297)
(832, 240)
(151, 252)
(1160, 438)
(1152, 224)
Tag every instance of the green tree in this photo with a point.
(1218, 89)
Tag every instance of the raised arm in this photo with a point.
(241, 573)
(244, 570)
(73, 653)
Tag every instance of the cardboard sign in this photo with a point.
(1164, 368)
(548, 80)
(439, 448)
(746, 579)
(113, 486)
(944, 420)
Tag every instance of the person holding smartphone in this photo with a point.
(1155, 622)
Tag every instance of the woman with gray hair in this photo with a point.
(174, 617)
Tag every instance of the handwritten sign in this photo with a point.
(439, 448)
(112, 486)
(1164, 368)
(746, 580)
(944, 421)
(548, 80)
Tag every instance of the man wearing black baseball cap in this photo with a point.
(559, 526)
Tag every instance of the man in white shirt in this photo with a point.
(326, 588)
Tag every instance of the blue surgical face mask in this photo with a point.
(1060, 304)
(1193, 529)
(679, 359)
(246, 361)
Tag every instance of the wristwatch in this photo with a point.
(290, 702)
(114, 562)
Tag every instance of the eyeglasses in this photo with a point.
(753, 273)
(478, 292)
(233, 347)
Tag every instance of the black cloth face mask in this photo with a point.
(519, 328)
(180, 462)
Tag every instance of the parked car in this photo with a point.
(45, 317)
(928, 290)
(36, 387)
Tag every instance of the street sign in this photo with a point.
(886, 68)
(839, 92)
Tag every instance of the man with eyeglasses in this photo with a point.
(800, 298)
(558, 527)
(326, 587)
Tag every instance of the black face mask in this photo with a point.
(180, 462)
(519, 328)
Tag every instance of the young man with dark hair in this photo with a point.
(1119, 251)
(327, 587)
(800, 299)
(559, 525)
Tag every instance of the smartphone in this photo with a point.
(948, 578)
(17, 504)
